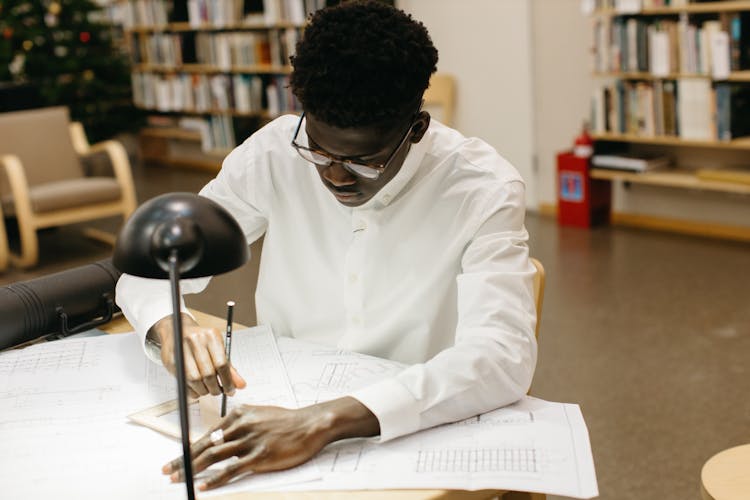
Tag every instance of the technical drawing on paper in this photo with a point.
(318, 374)
(62, 357)
(478, 460)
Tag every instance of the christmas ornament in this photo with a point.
(27, 45)
(54, 8)
(61, 51)
(88, 75)
(84, 36)
(17, 64)
(50, 20)
(8, 33)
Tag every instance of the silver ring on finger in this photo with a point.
(217, 437)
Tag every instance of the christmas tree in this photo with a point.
(66, 51)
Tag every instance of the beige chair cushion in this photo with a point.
(68, 194)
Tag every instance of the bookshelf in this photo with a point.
(672, 77)
(209, 72)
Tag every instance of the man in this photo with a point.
(385, 233)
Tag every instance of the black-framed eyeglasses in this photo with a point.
(358, 168)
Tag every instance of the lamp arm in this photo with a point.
(174, 280)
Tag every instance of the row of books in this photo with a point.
(665, 46)
(229, 12)
(223, 50)
(630, 6)
(213, 13)
(217, 132)
(200, 93)
(690, 108)
(246, 48)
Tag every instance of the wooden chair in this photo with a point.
(441, 93)
(44, 183)
(538, 299)
(3, 243)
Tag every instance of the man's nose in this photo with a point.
(338, 176)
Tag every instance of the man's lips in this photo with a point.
(343, 193)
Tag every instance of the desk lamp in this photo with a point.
(174, 236)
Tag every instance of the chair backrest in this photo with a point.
(538, 291)
(441, 94)
(41, 139)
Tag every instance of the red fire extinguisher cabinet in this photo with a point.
(581, 201)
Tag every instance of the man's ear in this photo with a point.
(420, 126)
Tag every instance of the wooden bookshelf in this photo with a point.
(630, 106)
(257, 69)
(674, 178)
(185, 27)
(207, 61)
(171, 133)
(698, 8)
(742, 143)
(157, 145)
(735, 76)
(194, 112)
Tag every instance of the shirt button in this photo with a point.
(352, 278)
(356, 320)
(387, 199)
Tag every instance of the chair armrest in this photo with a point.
(117, 156)
(17, 181)
(3, 243)
(121, 167)
(78, 137)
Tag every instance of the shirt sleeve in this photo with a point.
(492, 361)
(145, 301)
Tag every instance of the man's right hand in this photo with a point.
(205, 360)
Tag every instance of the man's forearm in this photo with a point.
(344, 418)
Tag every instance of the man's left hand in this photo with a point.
(269, 438)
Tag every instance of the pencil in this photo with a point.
(228, 350)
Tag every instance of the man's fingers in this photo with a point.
(239, 382)
(215, 454)
(231, 471)
(228, 424)
(193, 375)
(219, 359)
(200, 345)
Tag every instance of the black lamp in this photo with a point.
(180, 235)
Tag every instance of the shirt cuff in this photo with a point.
(396, 409)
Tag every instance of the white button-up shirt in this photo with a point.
(433, 271)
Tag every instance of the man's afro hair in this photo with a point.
(362, 63)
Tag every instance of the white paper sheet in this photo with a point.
(319, 373)
(62, 425)
(532, 445)
(63, 428)
(256, 357)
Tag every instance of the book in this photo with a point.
(631, 163)
(694, 105)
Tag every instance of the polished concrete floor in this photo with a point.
(648, 332)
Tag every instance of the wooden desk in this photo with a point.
(725, 476)
(120, 325)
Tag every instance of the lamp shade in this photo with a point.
(206, 238)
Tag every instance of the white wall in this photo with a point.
(486, 45)
(562, 84)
